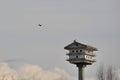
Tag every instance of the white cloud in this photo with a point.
(6, 72)
(30, 72)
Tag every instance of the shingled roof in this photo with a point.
(77, 45)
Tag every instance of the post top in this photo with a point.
(74, 41)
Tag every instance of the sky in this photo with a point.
(92, 22)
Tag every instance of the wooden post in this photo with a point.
(80, 72)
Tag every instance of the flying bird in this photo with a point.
(40, 25)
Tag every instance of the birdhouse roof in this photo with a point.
(77, 45)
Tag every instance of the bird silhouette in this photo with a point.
(40, 25)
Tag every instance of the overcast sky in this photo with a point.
(93, 22)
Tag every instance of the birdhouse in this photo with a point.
(80, 54)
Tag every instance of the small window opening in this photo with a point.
(76, 44)
(72, 50)
(80, 50)
(76, 56)
(76, 50)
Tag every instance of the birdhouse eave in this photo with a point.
(77, 45)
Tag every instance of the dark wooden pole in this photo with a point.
(80, 72)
